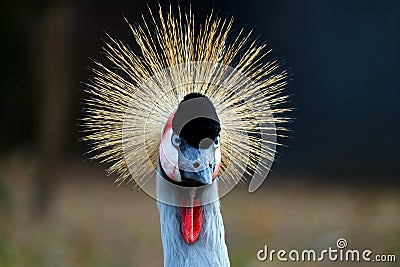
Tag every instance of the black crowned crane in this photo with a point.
(185, 117)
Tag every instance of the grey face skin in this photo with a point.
(196, 165)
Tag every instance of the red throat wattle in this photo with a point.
(191, 223)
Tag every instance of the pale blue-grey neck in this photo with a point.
(208, 250)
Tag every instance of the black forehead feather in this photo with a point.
(196, 119)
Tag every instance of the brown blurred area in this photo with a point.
(57, 210)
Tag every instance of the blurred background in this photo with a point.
(337, 176)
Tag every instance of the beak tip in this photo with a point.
(203, 177)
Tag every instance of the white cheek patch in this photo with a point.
(169, 157)
(217, 162)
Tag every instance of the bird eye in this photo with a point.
(176, 140)
(216, 142)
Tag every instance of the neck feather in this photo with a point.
(210, 248)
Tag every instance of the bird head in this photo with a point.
(189, 149)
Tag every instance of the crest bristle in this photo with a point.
(174, 41)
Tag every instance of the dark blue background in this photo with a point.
(343, 57)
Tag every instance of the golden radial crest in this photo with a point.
(132, 95)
